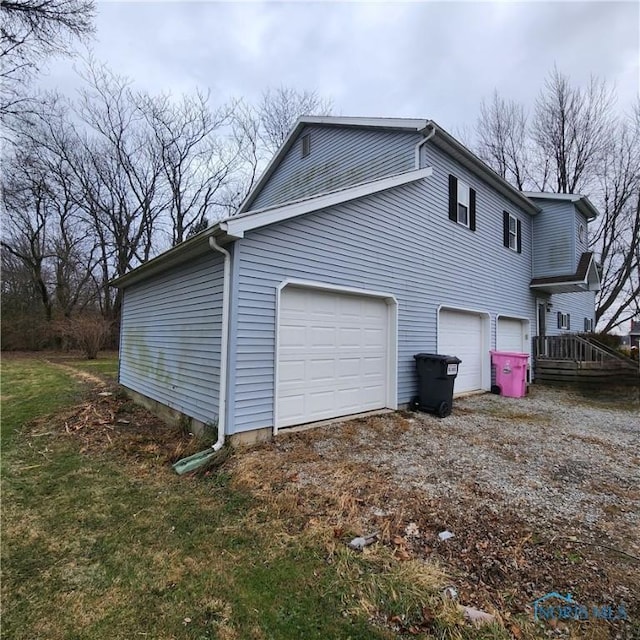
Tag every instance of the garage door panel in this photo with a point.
(292, 335)
(322, 370)
(461, 334)
(332, 356)
(292, 407)
(350, 337)
(510, 335)
(291, 370)
(319, 336)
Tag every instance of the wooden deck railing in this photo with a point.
(571, 347)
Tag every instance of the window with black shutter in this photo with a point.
(511, 232)
(462, 203)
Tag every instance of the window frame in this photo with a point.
(463, 190)
(454, 201)
(513, 233)
(564, 320)
(582, 233)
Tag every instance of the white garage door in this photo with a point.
(461, 334)
(510, 335)
(332, 355)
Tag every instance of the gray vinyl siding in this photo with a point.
(579, 305)
(400, 242)
(339, 157)
(170, 337)
(554, 239)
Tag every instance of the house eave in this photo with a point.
(586, 278)
(236, 226)
(191, 248)
(450, 145)
(582, 203)
(560, 287)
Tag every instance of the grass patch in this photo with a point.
(32, 388)
(104, 366)
(95, 545)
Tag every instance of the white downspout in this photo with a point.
(418, 146)
(224, 342)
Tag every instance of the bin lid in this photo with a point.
(438, 357)
(510, 354)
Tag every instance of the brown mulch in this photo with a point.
(108, 421)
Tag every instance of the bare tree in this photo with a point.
(31, 31)
(280, 108)
(503, 139)
(618, 235)
(195, 164)
(259, 131)
(44, 233)
(572, 128)
(26, 203)
(575, 144)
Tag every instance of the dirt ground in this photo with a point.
(541, 493)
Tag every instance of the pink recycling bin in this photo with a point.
(511, 372)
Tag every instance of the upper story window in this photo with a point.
(582, 233)
(462, 203)
(306, 145)
(512, 232)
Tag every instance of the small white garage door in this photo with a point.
(332, 355)
(511, 335)
(461, 334)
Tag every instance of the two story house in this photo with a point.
(365, 241)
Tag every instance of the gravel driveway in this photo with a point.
(542, 492)
(554, 457)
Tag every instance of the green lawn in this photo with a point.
(97, 546)
(105, 365)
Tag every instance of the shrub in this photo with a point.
(610, 340)
(87, 332)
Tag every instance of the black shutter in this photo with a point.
(559, 320)
(519, 237)
(586, 324)
(505, 229)
(453, 198)
(568, 321)
(472, 210)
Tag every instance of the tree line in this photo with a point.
(95, 184)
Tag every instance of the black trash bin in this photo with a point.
(436, 376)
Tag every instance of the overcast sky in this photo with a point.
(430, 59)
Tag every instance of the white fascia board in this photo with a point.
(236, 227)
(583, 204)
(546, 195)
(408, 124)
(273, 163)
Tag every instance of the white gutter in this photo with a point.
(224, 346)
(428, 137)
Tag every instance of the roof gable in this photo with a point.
(439, 136)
